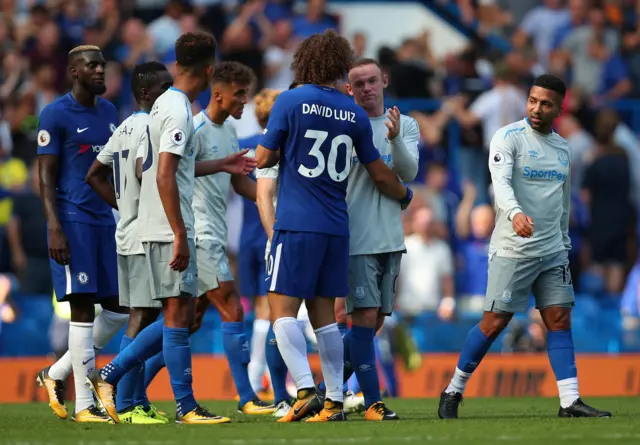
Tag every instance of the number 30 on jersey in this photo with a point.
(330, 163)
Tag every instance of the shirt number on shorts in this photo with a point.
(330, 163)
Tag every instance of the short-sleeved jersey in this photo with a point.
(374, 218)
(76, 134)
(212, 141)
(120, 153)
(316, 129)
(170, 131)
(252, 233)
(531, 174)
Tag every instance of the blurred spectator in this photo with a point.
(589, 48)
(606, 189)
(631, 56)
(165, 30)
(426, 272)
(630, 309)
(27, 233)
(278, 57)
(359, 44)
(247, 37)
(474, 226)
(441, 201)
(577, 17)
(581, 146)
(13, 175)
(7, 310)
(315, 21)
(540, 25)
(411, 71)
(50, 48)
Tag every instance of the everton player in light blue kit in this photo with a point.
(81, 229)
(530, 168)
(312, 131)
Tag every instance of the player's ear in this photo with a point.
(348, 87)
(385, 80)
(144, 94)
(73, 71)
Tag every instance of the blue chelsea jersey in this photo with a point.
(76, 134)
(316, 129)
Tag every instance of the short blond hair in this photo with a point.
(264, 100)
(83, 48)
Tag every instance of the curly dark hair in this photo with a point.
(322, 58)
(230, 72)
(195, 49)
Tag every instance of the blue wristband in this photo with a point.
(408, 197)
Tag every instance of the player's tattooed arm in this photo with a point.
(58, 243)
(98, 180)
(267, 158)
(265, 193)
(244, 186)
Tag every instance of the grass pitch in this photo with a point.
(483, 421)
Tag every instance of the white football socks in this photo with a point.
(458, 382)
(331, 351)
(258, 363)
(83, 360)
(293, 348)
(568, 391)
(105, 326)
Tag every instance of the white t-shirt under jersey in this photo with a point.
(121, 153)
(170, 131)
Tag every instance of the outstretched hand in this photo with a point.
(238, 163)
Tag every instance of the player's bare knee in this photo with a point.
(556, 318)
(178, 312)
(282, 306)
(82, 308)
(365, 317)
(493, 323)
(113, 304)
(321, 311)
(227, 301)
(140, 318)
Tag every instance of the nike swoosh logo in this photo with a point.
(81, 130)
(87, 361)
(297, 411)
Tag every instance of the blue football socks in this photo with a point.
(236, 348)
(363, 361)
(177, 356)
(146, 344)
(152, 367)
(127, 384)
(277, 368)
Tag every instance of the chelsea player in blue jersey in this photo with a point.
(81, 229)
(312, 131)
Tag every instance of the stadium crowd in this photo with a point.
(592, 45)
